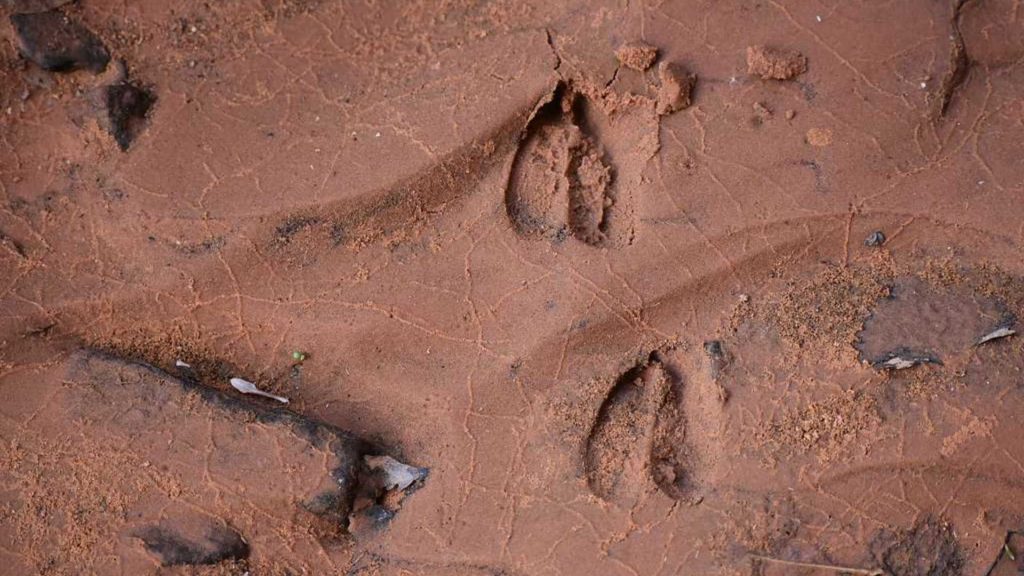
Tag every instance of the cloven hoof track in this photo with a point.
(641, 432)
(562, 179)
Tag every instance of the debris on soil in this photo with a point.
(813, 566)
(676, 88)
(875, 239)
(996, 334)
(714, 350)
(762, 112)
(381, 493)
(182, 364)
(922, 323)
(637, 55)
(189, 461)
(718, 361)
(127, 106)
(904, 358)
(819, 137)
(826, 427)
(56, 43)
(775, 63)
(30, 6)
(1010, 561)
(829, 310)
(299, 356)
(12, 246)
(192, 545)
(930, 548)
(246, 387)
(293, 225)
(397, 476)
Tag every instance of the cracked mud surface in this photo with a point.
(621, 342)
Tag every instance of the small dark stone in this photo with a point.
(875, 239)
(58, 44)
(173, 548)
(714, 349)
(127, 107)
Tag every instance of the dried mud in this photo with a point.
(673, 288)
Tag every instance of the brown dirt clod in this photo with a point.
(675, 92)
(775, 63)
(637, 55)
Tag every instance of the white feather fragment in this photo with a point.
(899, 363)
(246, 387)
(996, 334)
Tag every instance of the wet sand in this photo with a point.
(681, 288)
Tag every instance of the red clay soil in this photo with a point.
(623, 317)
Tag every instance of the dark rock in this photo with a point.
(127, 106)
(58, 44)
(875, 239)
(713, 348)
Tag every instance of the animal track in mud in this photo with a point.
(643, 430)
(576, 169)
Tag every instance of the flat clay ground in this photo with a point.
(634, 288)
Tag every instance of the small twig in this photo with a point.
(864, 571)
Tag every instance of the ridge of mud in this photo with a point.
(310, 429)
(398, 212)
(362, 489)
